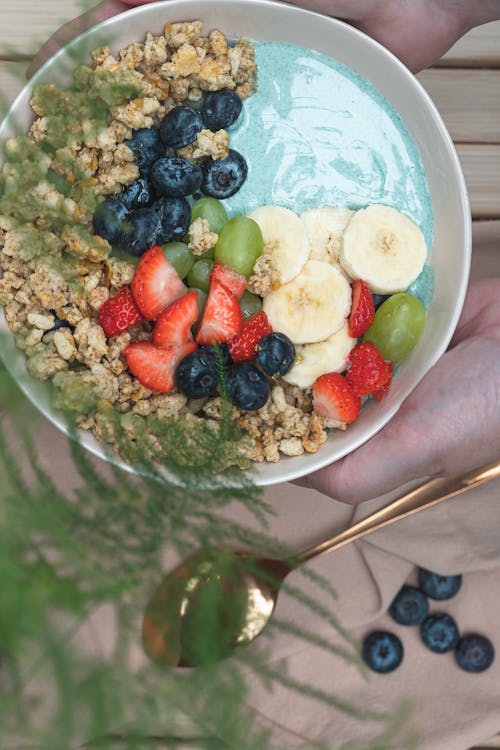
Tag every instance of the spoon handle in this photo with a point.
(425, 496)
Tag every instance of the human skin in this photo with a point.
(451, 421)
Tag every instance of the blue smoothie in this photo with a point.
(317, 134)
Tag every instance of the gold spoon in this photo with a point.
(218, 600)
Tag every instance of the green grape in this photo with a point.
(397, 326)
(116, 253)
(212, 211)
(240, 244)
(202, 296)
(180, 257)
(199, 275)
(250, 304)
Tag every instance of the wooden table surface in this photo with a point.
(465, 86)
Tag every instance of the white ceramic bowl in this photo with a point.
(275, 21)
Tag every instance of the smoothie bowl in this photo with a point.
(242, 215)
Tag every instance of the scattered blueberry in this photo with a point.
(378, 299)
(438, 587)
(196, 375)
(147, 147)
(221, 109)
(382, 651)
(175, 218)
(410, 606)
(474, 653)
(176, 177)
(180, 127)
(108, 219)
(222, 178)
(211, 351)
(247, 387)
(138, 194)
(439, 632)
(276, 354)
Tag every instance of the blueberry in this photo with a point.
(276, 354)
(141, 230)
(474, 653)
(176, 177)
(222, 178)
(175, 218)
(108, 219)
(196, 375)
(247, 387)
(58, 323)
(166, 220)
(137, 195)
(147, 147)
(439, 632)
(382, 652)
(221, 109)
(438, 587)
(211, 352)
(410, 606)
(180, 127)
(378, 299)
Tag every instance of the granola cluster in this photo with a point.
(54, 269)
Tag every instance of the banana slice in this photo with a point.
(325, 227)
(313, 360)
(312, 306)
(285, 241)
(384, 248)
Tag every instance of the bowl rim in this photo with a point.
(289, 467)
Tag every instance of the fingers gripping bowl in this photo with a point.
(275, 22)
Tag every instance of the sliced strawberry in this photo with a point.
(367, 371)
(222, 317)
(235, 282)
(242, 347)
(333, 398)
(173, 326)
(155, 368)
(119, 313)
(156, 283)
(362, 310)
(379, 394)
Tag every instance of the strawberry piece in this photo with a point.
(156, 283)
(235, 282)
(379, 394)
(362, 310)
(367, 370)
(119, 313)
(243, 346)
(333, 398)
(155, 368)
(173, 326)
(222, 317)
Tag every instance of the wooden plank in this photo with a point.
(480, 48)
(481, 165)
(12, 80)
(25, 25)
(468, 100)
(485, 251)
